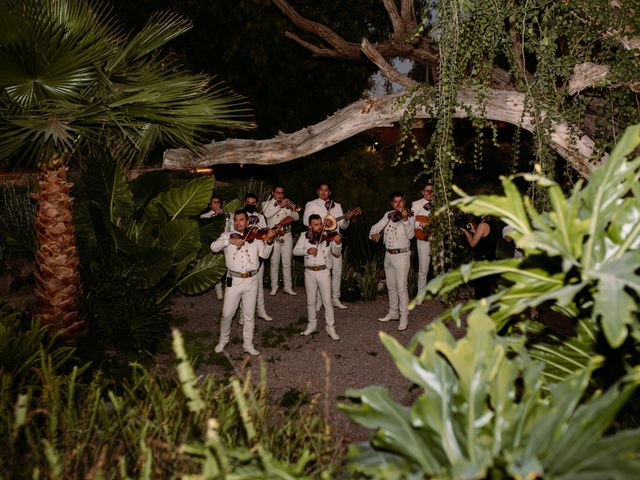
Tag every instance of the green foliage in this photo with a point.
(581, 256)
(482, 412)
(158, 428)
(137, 246)
(24, 344)
(17, 211)
(73, 81)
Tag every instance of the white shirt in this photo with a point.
(275, 213)
(396, 234)
(419, 210)
(228, 223)
(243, 259)
(324, 255)
(318, 207)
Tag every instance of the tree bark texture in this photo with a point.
(57, 277)
(499, 105)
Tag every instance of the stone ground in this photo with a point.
(314, 364)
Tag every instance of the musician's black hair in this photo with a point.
(395, 194)
(277, 185)
(215, 195)
(324, 183)
(250, 195)
(314, 216)
(241, 211)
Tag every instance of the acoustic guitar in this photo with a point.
(331, 222)
(422, 233)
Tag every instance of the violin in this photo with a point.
(261, 233)
(396, 215)
(317, 238)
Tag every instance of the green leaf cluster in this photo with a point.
(72, 81)
(148, 427)
(138, 243)
(581, 256)
(482, 412)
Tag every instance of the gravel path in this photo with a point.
(297, 363)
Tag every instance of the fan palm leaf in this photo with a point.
(72, 82)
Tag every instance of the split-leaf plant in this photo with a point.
(485, 411)
(581, 261)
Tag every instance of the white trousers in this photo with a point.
(396, 271)
(282, 251)
(245, 290)
(336, 277)
(318, 283)
(259, 303)
(424, 260)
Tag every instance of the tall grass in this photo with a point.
(157, 428)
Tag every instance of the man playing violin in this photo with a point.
(242, 259)
(397, 227)
(275, 211)
(324, 206)
(319, 252)
(422, 209)
(257, 221)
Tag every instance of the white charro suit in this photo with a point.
(317, 277)
(397, 237)
(422, 207)
(242, 264)
(283, 246)
(319, 207)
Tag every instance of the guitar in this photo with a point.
(422, 233)
(331, 222)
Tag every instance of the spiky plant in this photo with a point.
(71, 83)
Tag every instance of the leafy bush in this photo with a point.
(24, 345)
(482, 412)
(582, 259)
(158, 428)
(139, 243)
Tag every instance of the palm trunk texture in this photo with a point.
(57, 277)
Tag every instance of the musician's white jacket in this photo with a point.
(318, 206)
(283, 246)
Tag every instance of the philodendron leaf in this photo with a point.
(206, 273)
(612, 304)
(107, 186)
(188, 200)
(395, 433)
(181, 237)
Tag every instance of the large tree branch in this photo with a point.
(418, 49)
(385, 67)
(360, 116)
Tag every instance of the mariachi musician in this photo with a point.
(422, 209)
(242, 258)
(397, 228)
(329, 209)
(275, 210)
(319, 250)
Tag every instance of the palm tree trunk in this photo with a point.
(57, 277)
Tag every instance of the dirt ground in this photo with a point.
(315, 364)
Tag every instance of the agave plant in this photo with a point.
(73, 83)
(483, 411)
(581, 257)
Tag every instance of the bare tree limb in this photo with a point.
(399, 32)
(360, 116)
(385, 67)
